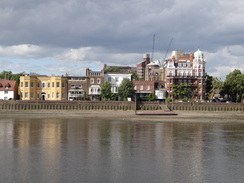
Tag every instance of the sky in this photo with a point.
(67, 36)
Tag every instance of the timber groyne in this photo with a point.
(117, 105)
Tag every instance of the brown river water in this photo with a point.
(110, 151)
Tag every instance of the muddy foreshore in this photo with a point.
(182, 116)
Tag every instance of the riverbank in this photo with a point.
(182, 116)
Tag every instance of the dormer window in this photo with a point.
(7, 85)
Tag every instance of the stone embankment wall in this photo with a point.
(117, 105)
(206, 106)
(66, 105)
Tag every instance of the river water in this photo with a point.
(101, 151)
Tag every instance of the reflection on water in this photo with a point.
(61, 150)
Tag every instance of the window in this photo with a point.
(32, 84)
(98, 80)
(62, 95)
(57, 84)
(135, 87)
(52, 94)
(57, 95)
(48, 85)
(26, 84)
(62, 84)
(38, 84)
(26, 94)
(53, 84)
(148, 87)
(141, 87)
(171, 81)
(92, 81)
(43, 84)
(170, 73)
(116, 79)
(109, 79)
(5, 92)
(32, 95)
(48, 96)
(21, 84)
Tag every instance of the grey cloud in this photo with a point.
(112, 28)
(125, 26)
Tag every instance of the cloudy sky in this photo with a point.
(66, 36)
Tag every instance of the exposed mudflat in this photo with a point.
(182, 116)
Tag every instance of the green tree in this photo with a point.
(151, 97)
(10, 76)
(106, 91)
(234, 85)
(126, 89)
(113, 69)
(217, 87)
(6, 75)
(182, 90)
(209, 80)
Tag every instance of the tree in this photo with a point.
(106, 91)
(182, 90)
(217, 87)
(6, 75)
(209, 80)
(234, 85)
(151, 97)
(113, 69)
(126, 89)
(10, 76)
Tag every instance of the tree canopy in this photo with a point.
(10, 76)
(113, 69)
(106, 91)
(126, 89)
(233, 86)
(182, 91)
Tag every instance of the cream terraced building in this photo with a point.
(42, 87)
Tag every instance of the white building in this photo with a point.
(8, 90)
(115, 79)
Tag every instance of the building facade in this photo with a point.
(187, 68)
(8, 90)
(141, 67)
(77, 87)
(95, 80)
(42, 87)
(115, 79)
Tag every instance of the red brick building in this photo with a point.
(186, 68)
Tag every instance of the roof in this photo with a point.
(7, 85)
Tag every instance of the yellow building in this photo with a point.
(42, 87)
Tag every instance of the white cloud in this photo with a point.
(225, 60)
(23, 51)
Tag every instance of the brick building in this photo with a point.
(186, 68)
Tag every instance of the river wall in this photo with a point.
(66, 105)
(206, 106)
(117, 105)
